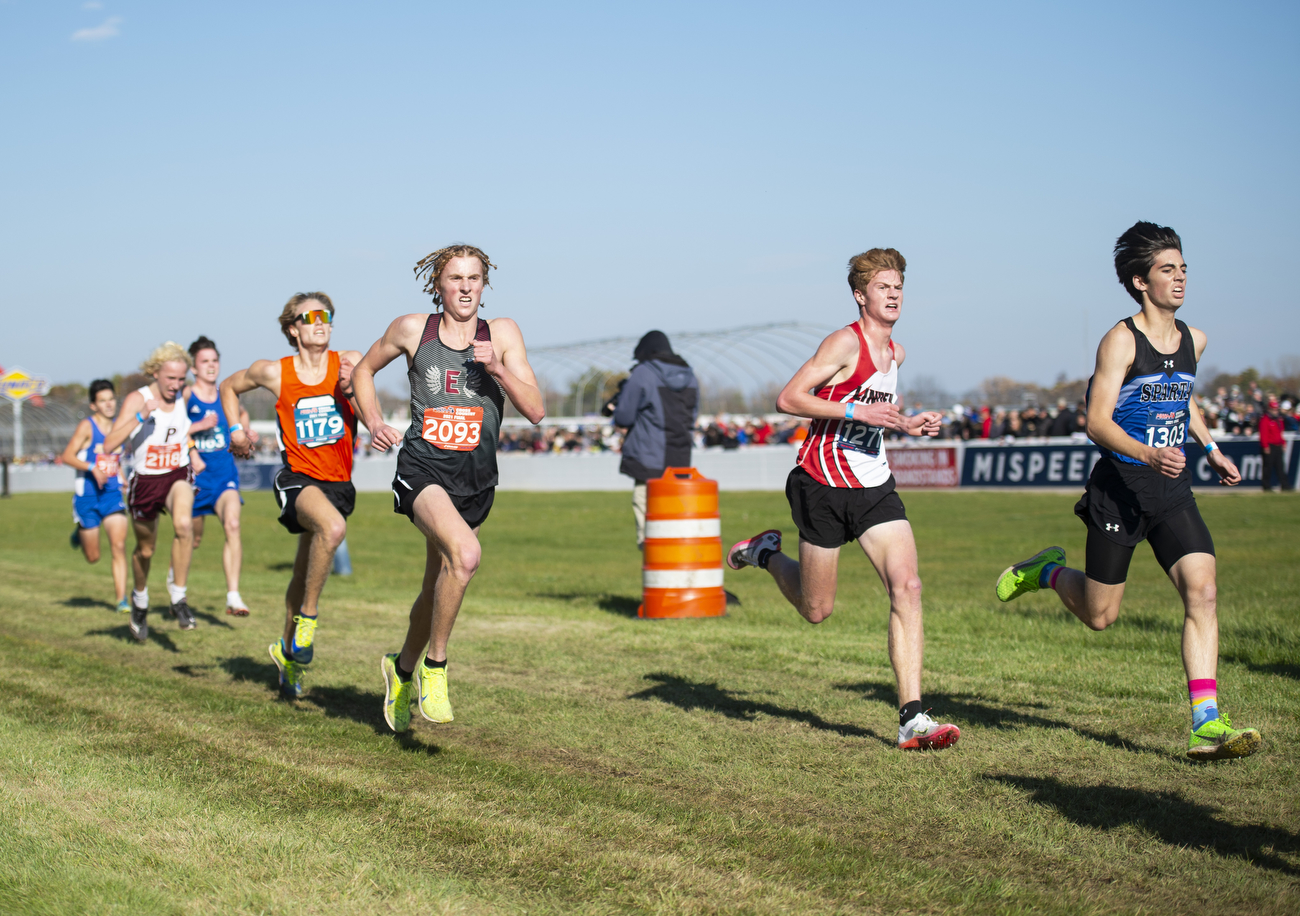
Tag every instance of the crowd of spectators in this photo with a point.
(1236, 411)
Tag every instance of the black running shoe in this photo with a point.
(75, 540)
(140, 623)
(184, 616)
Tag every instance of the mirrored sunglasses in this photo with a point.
(315, 315)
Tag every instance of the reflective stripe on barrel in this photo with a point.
(682, 568)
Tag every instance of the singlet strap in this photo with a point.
(431, 328)
(482, 332)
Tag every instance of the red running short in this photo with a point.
(147, 493)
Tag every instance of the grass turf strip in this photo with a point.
(601, 763)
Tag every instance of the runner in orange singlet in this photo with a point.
(316, 426)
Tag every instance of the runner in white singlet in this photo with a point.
(156, 430)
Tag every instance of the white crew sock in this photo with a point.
(177, 593)
(140, 599)
(233, 600)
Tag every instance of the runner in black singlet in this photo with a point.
(461, 368)
(1141, 413)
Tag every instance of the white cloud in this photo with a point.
(92, 5)
(99, 32)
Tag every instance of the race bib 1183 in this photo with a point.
(455, 429)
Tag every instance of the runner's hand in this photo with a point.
(345, 377)
(100, 477)
(196, 461)
(931, 422)
(383, 437)
(150, 405)
(253, 437)
(209, 420)
(882, 414)
(1168, 461)
(241, 446)
(1229, 476)
(486, 354)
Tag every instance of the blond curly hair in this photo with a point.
(864, 267)
(431, 266)
(169, 352)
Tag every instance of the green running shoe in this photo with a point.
(304, 632)
(124, 606)
(290, 671)
(397, 695)
(1023, 576)
(434, 704)
(1218, 740)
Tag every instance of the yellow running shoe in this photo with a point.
(397, 695)
(304, 632)
(1218, 740)
(290, 671)
(1023, 576)
(434, 704)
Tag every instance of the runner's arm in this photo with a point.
(511, 370)
(126, 421)
(265, 373)
(348, 361)
(401, 337)
(1115, 356)
(836, 353)
(80, 439)
(1225, 467)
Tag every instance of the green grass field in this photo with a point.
(600, 763)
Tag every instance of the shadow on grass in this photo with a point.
(124, 633)
(280, 567)
(250, 670)
(613, 604)
(1282, 669)
(688, 695)
(366, 707)
(212, 619)
(85, 601)
(964, 708)
(1167, 816)
(191, 670)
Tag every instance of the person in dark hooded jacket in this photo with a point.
(657, 405)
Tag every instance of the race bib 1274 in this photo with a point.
(455, 429)
(859, 437)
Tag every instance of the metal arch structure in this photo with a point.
(744, 358)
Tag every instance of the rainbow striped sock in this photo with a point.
(1047, 575)
(1205, 703)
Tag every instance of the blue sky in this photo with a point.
(182, 168)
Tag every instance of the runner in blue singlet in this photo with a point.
(97, 500)
(216, 488)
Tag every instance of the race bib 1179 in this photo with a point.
(317, 421)
(455, 429)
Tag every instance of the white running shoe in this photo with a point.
(922, 733)
(747, 553)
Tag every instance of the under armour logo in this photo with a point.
(1110, 527)
(1169, 364)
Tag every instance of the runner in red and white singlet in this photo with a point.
(843, 452)
(156, 429)
(842, 489)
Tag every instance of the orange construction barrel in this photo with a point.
(682, 569)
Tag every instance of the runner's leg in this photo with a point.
(891, 548)
(810, 583)
(180, 503)
(90, 543)
(196, 522)
(146, 536)
(452, 558)
(1194, 577)
(326, 529)
(232, 552)
(116, 526)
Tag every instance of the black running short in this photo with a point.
(1125, 504)
(288, 484)
(411, 479)
(833, 516)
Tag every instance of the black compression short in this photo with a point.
(288, 484)
(1170, 540)
(414, 476)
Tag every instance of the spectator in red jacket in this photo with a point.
(1273, 447)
